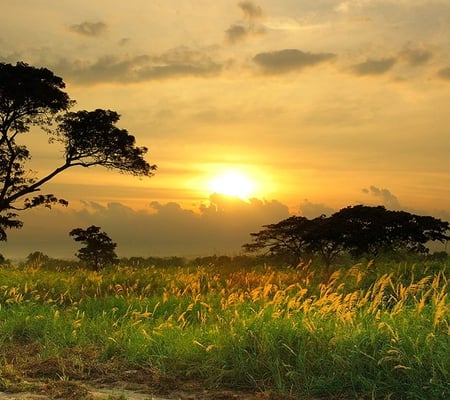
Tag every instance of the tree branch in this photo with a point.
(35, 187)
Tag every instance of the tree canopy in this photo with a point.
(99, 250)
(34, 97)
(356, 230)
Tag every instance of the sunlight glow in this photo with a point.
(233, 183)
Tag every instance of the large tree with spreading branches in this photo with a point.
(356, 230)
(32, 100)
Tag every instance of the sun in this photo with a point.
(233, 183)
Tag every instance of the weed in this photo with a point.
(368, 332)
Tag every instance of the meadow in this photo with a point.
(373, 330)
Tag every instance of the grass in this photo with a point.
(373, 331)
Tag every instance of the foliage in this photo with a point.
(378, 331)
(358, 230)
(34, 97)
(99, 250)
(3, 260)
(37, 258)
(285, 237)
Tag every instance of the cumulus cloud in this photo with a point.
(251, 11)
(175, 63)
(240, 31)
(91, 29)
(287, 60)
(384, 196)
(236, 33)
(220, 226)
(416, 57)
(313, 210)
(374, 67)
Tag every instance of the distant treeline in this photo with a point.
(38, 259)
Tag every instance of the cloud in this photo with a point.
(374, 67)
(220, 226)
(444, 73)
(91, 29)
(385, 196)
(239, 32)
(416, 57)
(175, 63)
(236, 33)
(313, 210)
(282, 61)
(251, 11)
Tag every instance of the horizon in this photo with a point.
(220, 227)
(294, 109)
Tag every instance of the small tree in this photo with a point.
(99, 250)
(4, 261)
(37, 258)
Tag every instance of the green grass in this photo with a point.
(372, 331)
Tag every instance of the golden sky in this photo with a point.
(320, 104)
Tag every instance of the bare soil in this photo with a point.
(26, 374)
(69, 390)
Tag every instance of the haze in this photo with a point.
(322, 104)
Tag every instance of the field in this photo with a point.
(371, 331)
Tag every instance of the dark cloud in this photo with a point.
(89, 28)
(251, 11)
(416, 57)
(172, 64)
(240, 31)
(444, 73)
(384, 197)
(220, 226)
(236, 33)
(374, 67)
(281, 61)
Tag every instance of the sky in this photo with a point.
(319, 104)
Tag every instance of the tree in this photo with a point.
(366, 230)
(325, 239)
(37, 258)
(287, 239)
(34, 97)
(99, 251)
(357, 230)
(3, 260)
(296, 239)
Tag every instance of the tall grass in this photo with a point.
(371, 331)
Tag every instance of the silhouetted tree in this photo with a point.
(325, 239)
(37, 258)
(99, 251)
(34, 97)
(369, 230)
(3, 260)
(288, 239)
(357, 230)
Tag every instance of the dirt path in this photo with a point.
(94, 394)
(77, 391)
